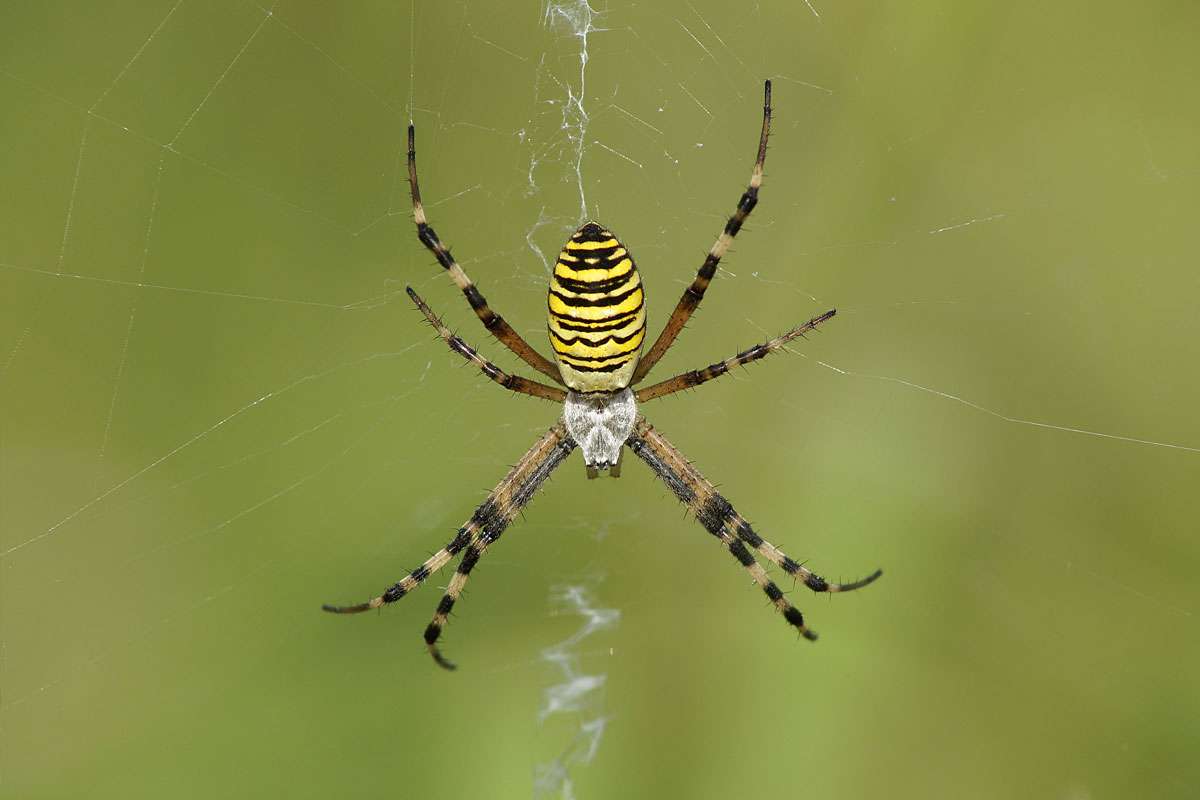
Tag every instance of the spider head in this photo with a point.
(600, 422)
(597, 316)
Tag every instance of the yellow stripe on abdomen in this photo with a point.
(597, 316)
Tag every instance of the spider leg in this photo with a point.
(688, 380)
(415, 578)
(493, 517)
(695, 293)
(484, 527)
(720, 519)
(513, 383)
(490, 319)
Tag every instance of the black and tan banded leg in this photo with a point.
(688, 380)
(720, 519)
(484, 527)
(513, 383)
(490, 319)
(695, 293)
(493, 517)
(413, 579)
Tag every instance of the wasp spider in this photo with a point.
(597, 324)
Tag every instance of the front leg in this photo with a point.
(719, 518)
(484, 527)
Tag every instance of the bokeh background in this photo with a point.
(219, 410)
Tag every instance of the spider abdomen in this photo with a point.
(597, 315)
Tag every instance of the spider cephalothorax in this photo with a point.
(597, 323)
(600, 422)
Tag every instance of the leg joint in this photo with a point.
(741, 553)
(713, 513)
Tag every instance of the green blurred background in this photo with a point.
(219, 410)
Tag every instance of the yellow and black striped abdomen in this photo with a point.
(597, 312)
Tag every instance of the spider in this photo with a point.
(597, 324)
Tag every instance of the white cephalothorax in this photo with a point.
(600, 423)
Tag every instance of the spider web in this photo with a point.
(219, 410)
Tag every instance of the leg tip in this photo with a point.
(441, 660)
(849, 587)
(346, 609)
